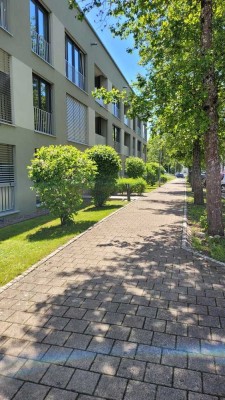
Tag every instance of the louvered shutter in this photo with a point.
(76, 121)
(6, 178)
(5, 95)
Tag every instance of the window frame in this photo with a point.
(38, 6)
(81, 59)
(49, 100)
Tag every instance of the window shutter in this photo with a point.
(6, 164)
(76, 121)
(5, 94)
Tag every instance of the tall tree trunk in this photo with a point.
(196, 174)
(213, 187)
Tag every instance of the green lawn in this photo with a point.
(211, 246)
(25, 243)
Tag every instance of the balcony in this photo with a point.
(117, 146)
(3, 15)
(42, 121)
(116, 110)
(75, 76)
(40, 46)
(99, 139)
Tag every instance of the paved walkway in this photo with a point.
(121, 313)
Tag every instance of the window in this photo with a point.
(3, 14)
(5, 93)
(39, 27)
(42, 105)
(6, 178)
(74, 64)
(116, 138)
(76, 116)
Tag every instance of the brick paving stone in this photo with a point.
(202, 363)
(12, 346)
(190, 345)
(113, 318)
(57, 355)
(197, 396)
(147, 311)
(200, 332)
(56, 337)
(34, 351)
(8, 387)
(84, 397)
(83, 381)
(80, 359)
(127, 308)
(220, 365)
(167, 393)
(59, 394)
(105, 364)
(140, 336)
(97, 329)
(208, 301)
(32, 371)
(32, 391)
(148, 353)
(214, 384)
(78, 341)
(76, 313)
(124, 349)
(57, 323)
(111, 387)
(72, 301)
(140, 300)
(132, 369)
(10, 365)
(57, 376)
(187, 380)
(175, 358)
(207, 320)
(108, 306)
(176, 328)
(100, 345)
(118, 332)
(218, 334)
(16, 331)
(76, 325)
(139, 390)
(134, 321)
(155, 325)
(91, 304)
(163, 340)
(159, 374)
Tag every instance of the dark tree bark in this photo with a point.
(196, 174)
(213, 187)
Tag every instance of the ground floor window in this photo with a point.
(7, 178)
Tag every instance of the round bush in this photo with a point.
(134, 167)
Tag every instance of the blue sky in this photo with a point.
(128, 63)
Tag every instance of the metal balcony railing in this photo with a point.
(3, 15)
(40, 46)
(75, 76)
(42, 121)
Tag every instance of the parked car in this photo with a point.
(179, 175)
(222, 180)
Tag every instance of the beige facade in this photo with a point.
(49, 64)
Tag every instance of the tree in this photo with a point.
(108, 166)
(134, 167)
(60, 174)
(181, 44)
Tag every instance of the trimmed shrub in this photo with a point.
(137, 185)
(134, 167)
(163, 178)
(152, 172)
(108, 166)
(60, 174)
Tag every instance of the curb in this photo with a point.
(43, 260)
(185, 243)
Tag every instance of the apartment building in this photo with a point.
(50, 62)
